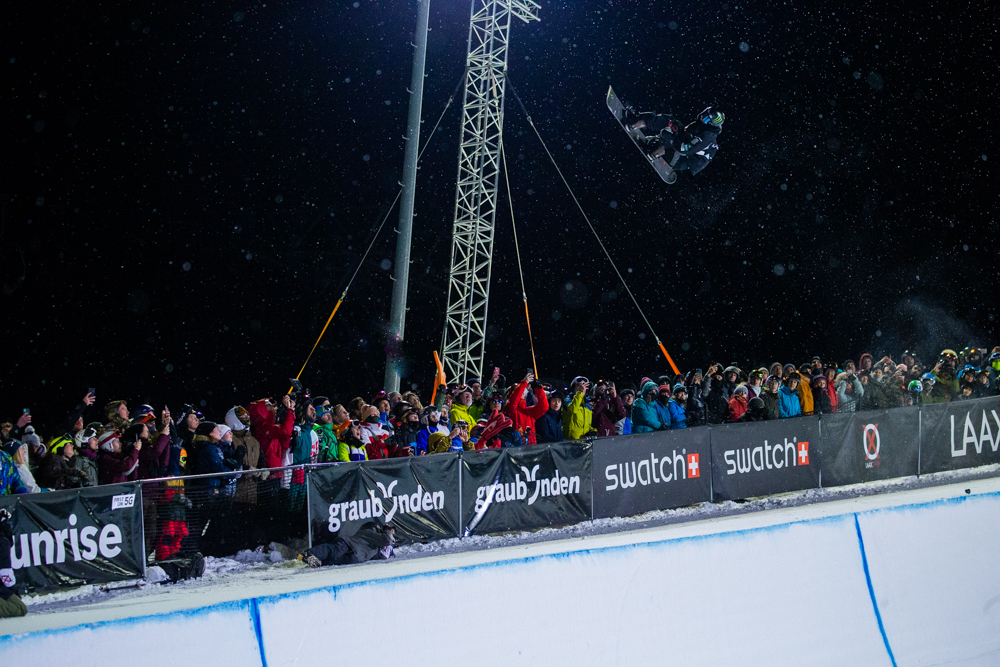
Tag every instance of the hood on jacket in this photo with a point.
(233, 422)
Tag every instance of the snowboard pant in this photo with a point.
(12, 607)
(655, 123)
(694, 163)
(337, 552)
(183, 568)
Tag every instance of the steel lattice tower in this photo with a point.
(464, 339)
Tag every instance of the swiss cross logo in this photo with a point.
(804, 453)
(694, 468)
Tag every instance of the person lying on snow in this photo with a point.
(371, 542)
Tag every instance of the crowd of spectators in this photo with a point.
(225, 470)
(268, 434)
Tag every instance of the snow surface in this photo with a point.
(712, 583)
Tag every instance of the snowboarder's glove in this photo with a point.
(7, 578)
(685, 148)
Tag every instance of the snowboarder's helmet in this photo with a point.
(915, 387)
(712, 117)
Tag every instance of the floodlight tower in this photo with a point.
(464, 339)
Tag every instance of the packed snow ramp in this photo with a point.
(900, 579)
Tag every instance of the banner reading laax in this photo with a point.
(75, 537)
(867, 446)
(651, 471)
(416, 496)
(526, 487)
(763, 458)
(964, 434)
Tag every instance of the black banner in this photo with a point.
(526, 487)
(75, 537)
(963, 434)
(652, 471)
(763, 458)
(867, 446)
(418, 496)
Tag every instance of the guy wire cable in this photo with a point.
(594, 231)
(517, 250)
(343, 295)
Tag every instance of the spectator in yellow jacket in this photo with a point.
(577, 415)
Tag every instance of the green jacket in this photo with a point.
(329, 449)
(944, 389)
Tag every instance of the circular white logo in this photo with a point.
(873, 442)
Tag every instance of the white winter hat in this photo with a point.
(30, 439)
(106, 442)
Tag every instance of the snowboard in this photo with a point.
(665, 171)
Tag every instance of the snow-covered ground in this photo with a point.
(807, 542)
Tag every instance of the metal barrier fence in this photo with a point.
(222, 514)
(464, 493)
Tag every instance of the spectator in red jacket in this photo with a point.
(522, 414)
(275, 436)
(738, 403)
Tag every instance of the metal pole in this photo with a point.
(397, 317)
(309, 507)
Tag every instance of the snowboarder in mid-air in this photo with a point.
(666, 146)
(692, 147)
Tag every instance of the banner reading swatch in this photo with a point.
(651, 471)
(763, 458)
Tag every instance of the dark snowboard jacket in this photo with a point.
(549, 426)
(702, 139)
(772, 402)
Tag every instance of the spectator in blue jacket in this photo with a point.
(644, 419)
(10, 479)
(662, 405)
(211, 457)
(678, 418)
(788, 404)
(624, 426)
(549, 427)
(430, 418)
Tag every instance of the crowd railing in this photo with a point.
(111, 533)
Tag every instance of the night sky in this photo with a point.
(191, 185)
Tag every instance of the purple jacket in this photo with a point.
(116, 468)
(606, 412)
(154, 458)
